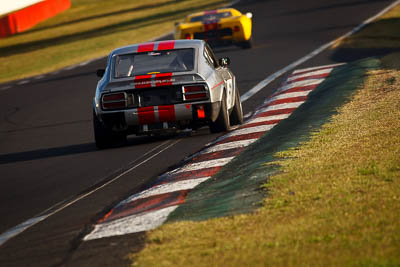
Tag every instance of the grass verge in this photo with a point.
(335, 203)
(90, 29)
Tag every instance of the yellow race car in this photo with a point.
(225, 25)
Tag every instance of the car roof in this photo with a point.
(158, 45)
(235, 12)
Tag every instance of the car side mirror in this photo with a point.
(100, 72)
(224, 61)
(249, 15)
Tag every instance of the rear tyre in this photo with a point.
(104, 137)
(221, 124)
(247, 44)
(236, 116)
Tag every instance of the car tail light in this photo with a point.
(188, 36)
(196, 96)
(114, 101)
(194, 92)
(236, 28)
(193, 88)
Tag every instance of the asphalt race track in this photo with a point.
(49, 163)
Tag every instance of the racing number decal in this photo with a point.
(229, 84)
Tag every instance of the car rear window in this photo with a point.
(177, 60)
(211, 17)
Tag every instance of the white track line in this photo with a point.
(16, 230)
(23, 82)
(84, 63)
(31, 222)
(5, 88)
(71, 67)
(258, 87)
(39, 77)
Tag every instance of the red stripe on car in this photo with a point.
(166, 113)
(142, 81)
(208, 12)
(166, 45)
(147, 47)
(164, 79)
(218, 84)
(146, 115)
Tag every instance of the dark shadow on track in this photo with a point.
(40, 126)
(65, 150)
(90, 147)
(47, 153)
(65, 77)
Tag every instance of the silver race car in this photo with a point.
(157, 87)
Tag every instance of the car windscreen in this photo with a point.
(177, 60)
(211, 17)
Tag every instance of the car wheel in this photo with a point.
(236, 116)
(104, 137)
(247, 44)
(221, 124)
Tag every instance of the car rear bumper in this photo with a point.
(146, 120)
